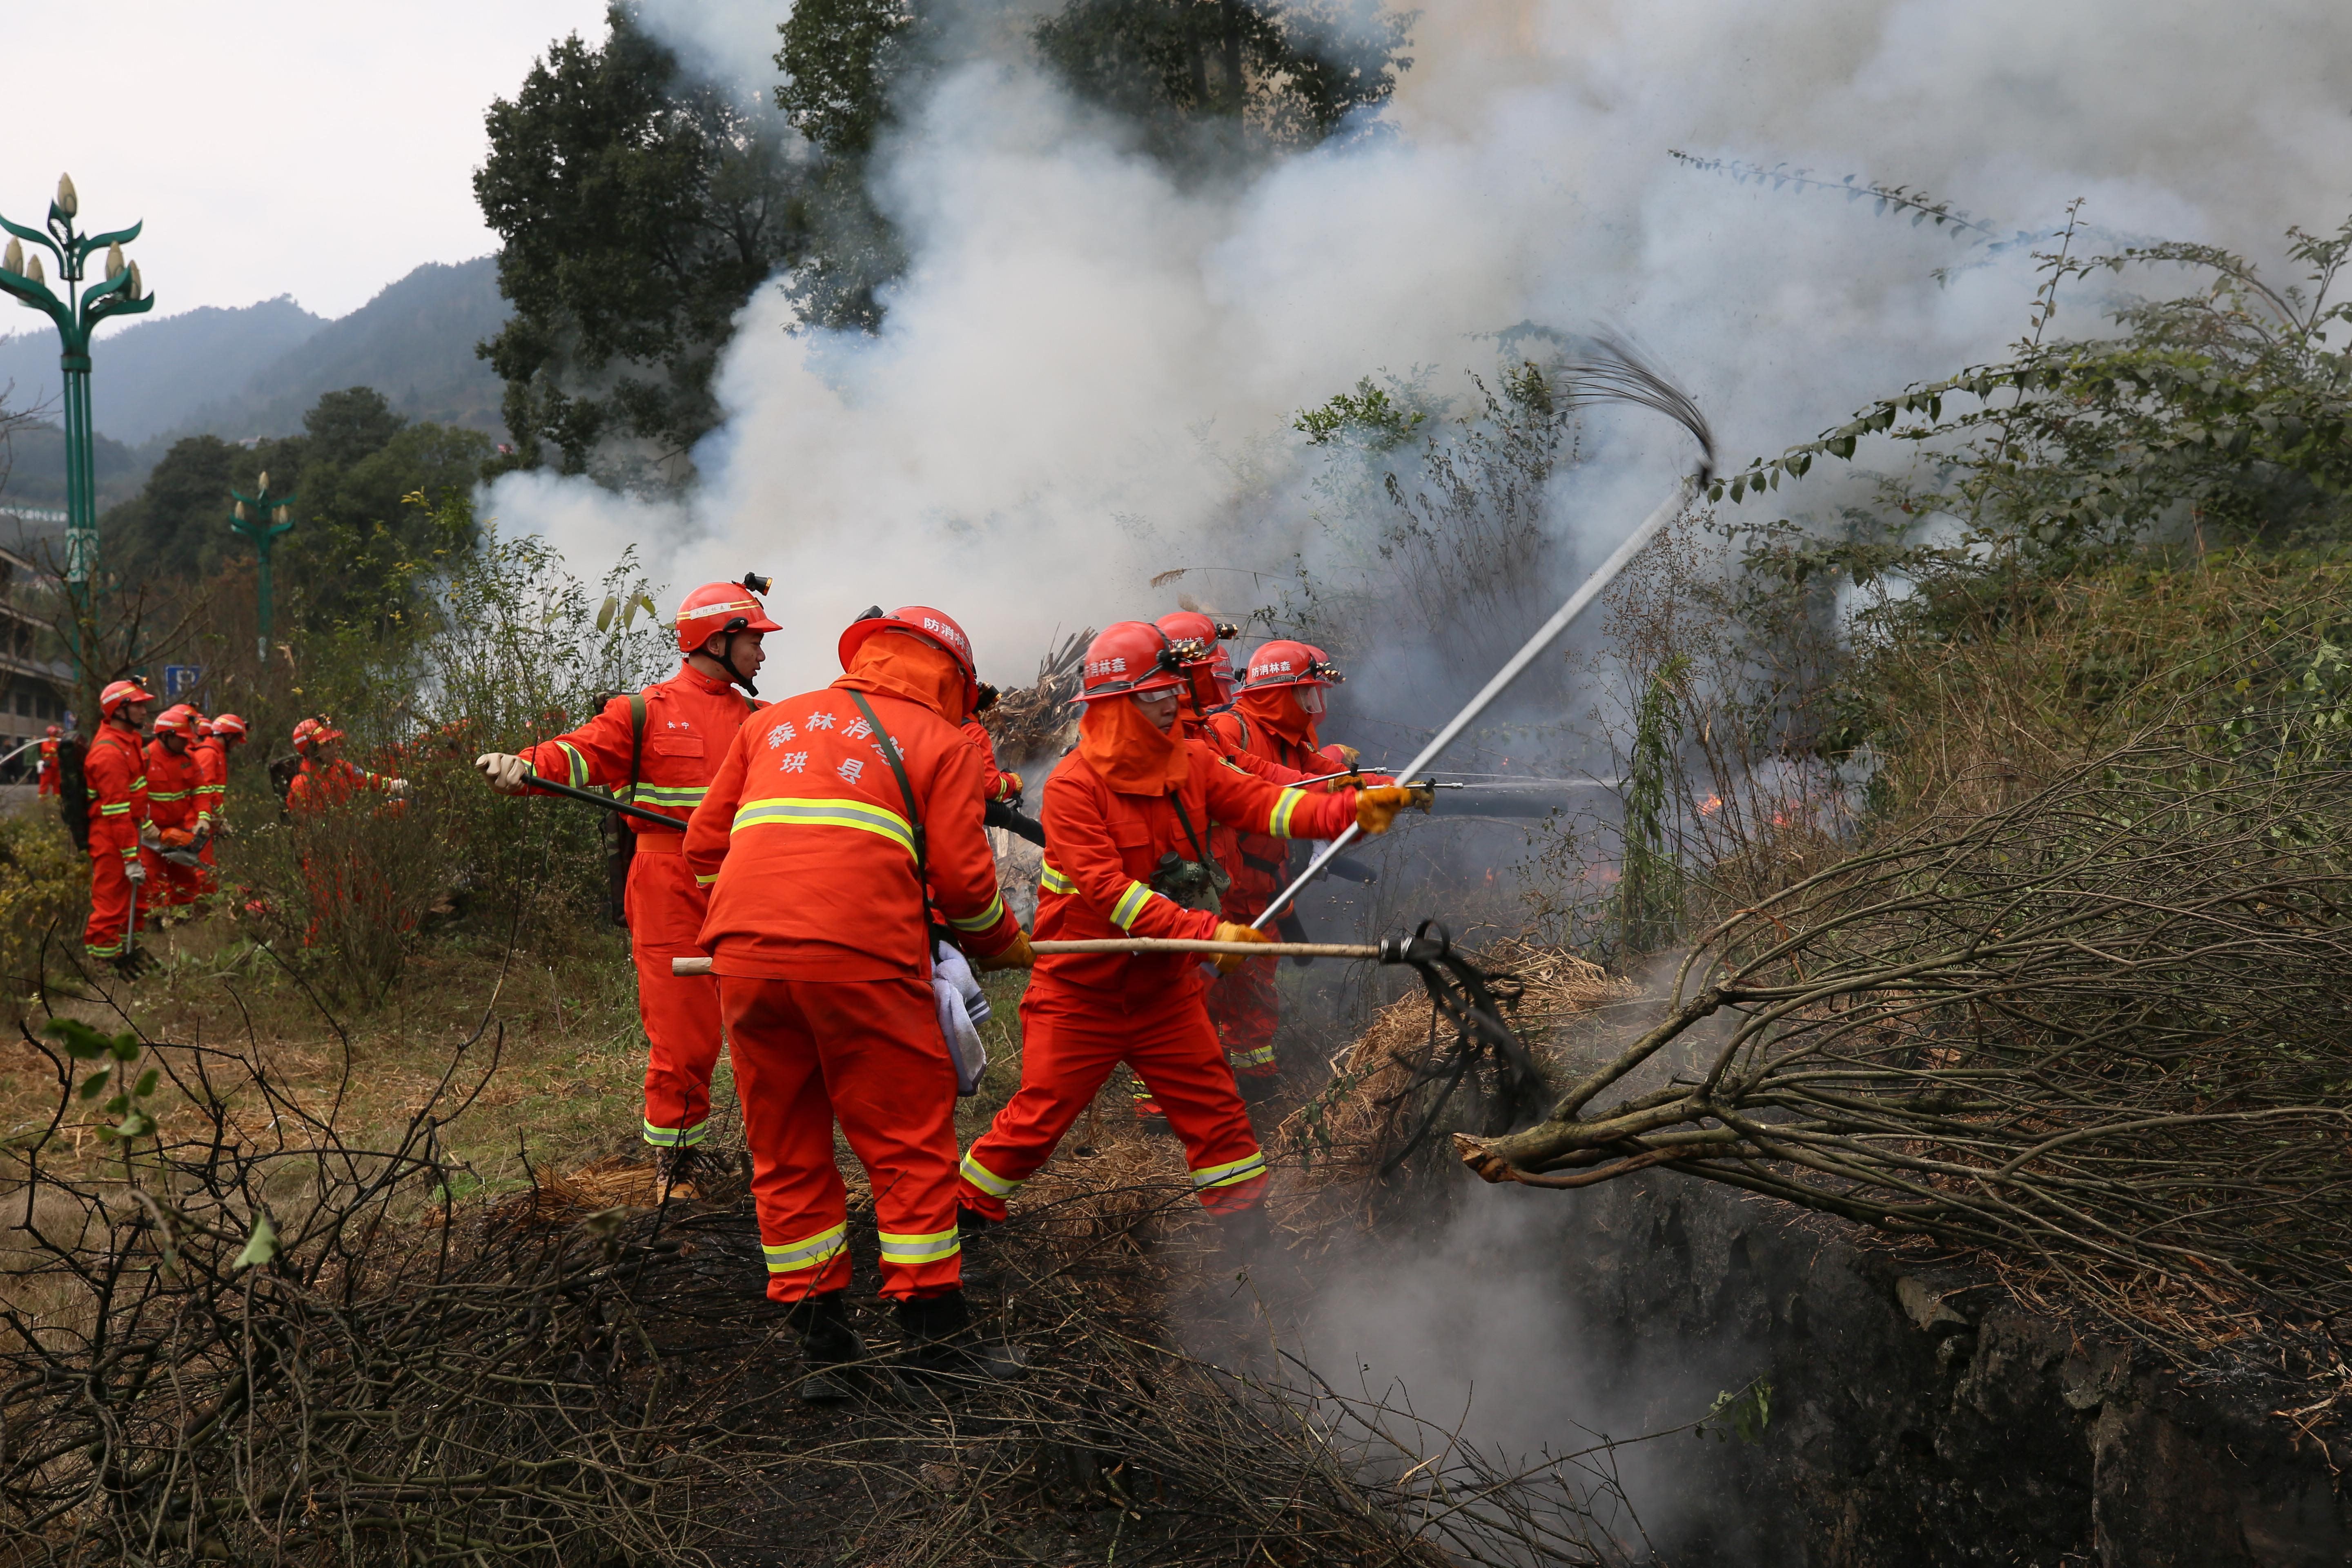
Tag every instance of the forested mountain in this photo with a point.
(255, 371)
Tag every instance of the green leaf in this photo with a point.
(81, 1042)
(605, 611)
(125, 1047)
(146, 1084)
(261, 1247)
(95, 1084)
(118, 1105)
(138, 1124)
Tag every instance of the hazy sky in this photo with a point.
(272, 148)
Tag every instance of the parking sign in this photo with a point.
(179, 679)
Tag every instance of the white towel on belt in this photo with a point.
(963, 1007)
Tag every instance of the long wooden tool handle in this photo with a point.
(1153, 944)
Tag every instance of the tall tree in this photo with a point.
(638, 210)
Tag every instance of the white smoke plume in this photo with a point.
(1089, 373)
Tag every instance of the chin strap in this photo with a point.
(727, 663)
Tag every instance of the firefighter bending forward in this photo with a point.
(1134, 793)
(818, 935)
(674, 739)
(116, 769)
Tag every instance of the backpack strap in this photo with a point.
(636, 740)
(907, 793)
(1177, 800)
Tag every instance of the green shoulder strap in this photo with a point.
(905, 793)
(636, 740)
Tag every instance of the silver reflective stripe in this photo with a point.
(811, 1253)
(1226, 1176)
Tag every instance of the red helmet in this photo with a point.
(118, 692)
(229, 724)
(176, 721)
(1191, 625)
(55, 731)
(1128, 659)
(717, 607)
(316, 731)
(1287, 663)
(934, 627)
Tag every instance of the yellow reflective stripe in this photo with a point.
(1053, 881)
(576, 764)
(671, 794)
(857, 814)
(928, 1249)
(982, 921)
(810, 1252)
(676, 1137)
(176, 795)
(1130, 904)
(117, 809)
(702, 882)
(1278, 822)
(1256, 1059)
(106, 950)
(986, 1180)
(139, 783)
(1227, 1174)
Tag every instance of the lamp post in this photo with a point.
(262, 519)
(76, 315)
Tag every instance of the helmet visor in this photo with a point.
(1310, 699)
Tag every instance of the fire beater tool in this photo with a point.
(605, 802)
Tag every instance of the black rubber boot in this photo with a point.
(828, 1342)
(941, 1347)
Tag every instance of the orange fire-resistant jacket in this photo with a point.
(316, 788)
(171, 785)
(1102, 847)
(995, 783)
(804, 834)
(1269, 726)
(690, 719)
(116, 769)
(212, 776)
(47, 774)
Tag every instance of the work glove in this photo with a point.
(1020, 956)
(399, 787)
(136, 871)
(1010, 787)
(1377, 807)
(507, 774)
(148, 836)
(203, 835)
(1227, 931)
(1347, 754)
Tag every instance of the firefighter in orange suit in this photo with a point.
(326, 777)
(996, 785)
(175, 777)
(216, 737)
(820, 849)
(46, 781)
(1274, 720)
(1123, 811)
(116, 772)
(668, 740)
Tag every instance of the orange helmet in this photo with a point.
(1214, 686)
(717, 607)
(118, 692)
(1128, 659)
(934, 627)
(229, 724)
(176, 721)
(1286, 663)
(316, 731)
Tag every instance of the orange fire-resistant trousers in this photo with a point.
(169, 883)
(665, 911)
(868, 1054)
(109, 905)
(1245, 1006)
(1070, 1041)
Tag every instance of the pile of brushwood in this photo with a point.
(230, 1333)
(1036, 720)
(2102, 1032)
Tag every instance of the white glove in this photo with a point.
(136, 871)
(400, 787)
(148, 836)
(507, 774)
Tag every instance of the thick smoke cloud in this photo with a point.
(1089, 373)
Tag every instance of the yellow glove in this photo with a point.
(1227, 931)
(1347, 754)
(1020, 956)
(1008, 787)
(1377, 807)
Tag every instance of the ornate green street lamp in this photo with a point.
(76, 315)
(262, 518)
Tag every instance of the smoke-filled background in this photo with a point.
(1088, 371)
